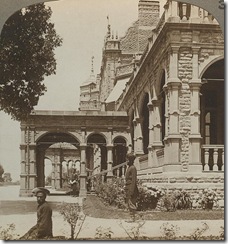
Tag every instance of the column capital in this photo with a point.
(195, 49)
(175, 49)
(109, 146)
(150, 106)
(173, 83)
(196, 83)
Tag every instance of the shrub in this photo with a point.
(167, 203)
(8, 233)
(148, 197)
(102, 233)
(112, 192)
(207, 199)
(178, 199)
(182, 199)
(134, 233)
(169, 231)
(72, 212)
(197, 234)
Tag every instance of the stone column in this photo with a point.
(28, 173)
(33, 173)
(58, 177)
(109, 161)
(56, 170)
(83, 175)
(53, 175)
(172, 158)
(195, 136)
(174, 16)
(157, 140)
(151, 134)
(23, 162)
(138, 147)
(194, 18)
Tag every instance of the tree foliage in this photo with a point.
(27, 44)
(1, 172)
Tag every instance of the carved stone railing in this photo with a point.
(184, 12)
(118, 170)
(213, 157)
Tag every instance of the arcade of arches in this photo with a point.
(102, 142)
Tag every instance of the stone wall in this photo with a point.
(192, 184)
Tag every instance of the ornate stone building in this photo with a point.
(161, 94)
(89, 93)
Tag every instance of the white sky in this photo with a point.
(82, 25)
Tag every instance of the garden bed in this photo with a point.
(94, 207)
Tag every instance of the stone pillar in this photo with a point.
(28, 161)
(172, 158)
(33, 173)
(109, 161)
(56, 167)
(138, 147)
(157, 140)
(83, 175)
(194, 18)
(195, 136)
(174, 16)
(53, 175)
(151, 134)
(58, 176)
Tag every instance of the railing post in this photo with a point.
(215, 159)
(206, 157)
(222, 167)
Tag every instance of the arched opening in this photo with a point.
(119, 155)
(145, 123)
(54, 144)
(48, 171)
(96, 155)
(212, 106)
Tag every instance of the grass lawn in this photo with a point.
(94, 207)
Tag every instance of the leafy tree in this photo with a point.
(27, 44)
(1, 173)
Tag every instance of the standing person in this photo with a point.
(43, 228)
(131, 185)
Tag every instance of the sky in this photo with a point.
(83, 26)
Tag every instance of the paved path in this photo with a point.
(150, 229)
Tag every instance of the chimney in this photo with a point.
(148, 14)
(148, 17)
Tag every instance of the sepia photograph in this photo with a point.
(112, 120)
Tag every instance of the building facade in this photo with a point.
(160, 93)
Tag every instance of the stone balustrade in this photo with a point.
(213, 157)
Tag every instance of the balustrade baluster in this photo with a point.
(205, 16)
(215, 159)
(206, 159)
(102, 178)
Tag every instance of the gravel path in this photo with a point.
(24, 220)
